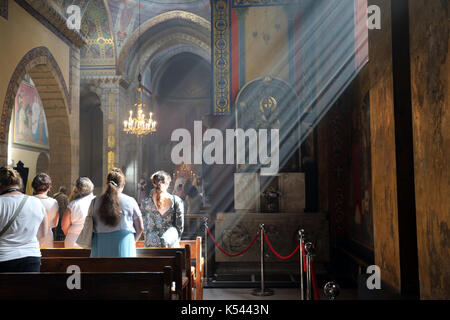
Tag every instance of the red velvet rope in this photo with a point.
(304, 257)
(229, 254)
(275, 253)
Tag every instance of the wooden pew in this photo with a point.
(147, 264)
(58, 244)
(186, 256)
(94, 286)
(196, 255)
(187, 283)
(61, 253)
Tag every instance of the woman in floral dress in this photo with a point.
(163, 214)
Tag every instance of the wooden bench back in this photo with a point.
(141, 252)
(147, 264)
(61, 253)
(94, 286)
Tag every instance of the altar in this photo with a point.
(234, 231)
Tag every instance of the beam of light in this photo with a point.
(325, 43)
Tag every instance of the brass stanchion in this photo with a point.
(309, 254)
(301, 234)
(264, 291)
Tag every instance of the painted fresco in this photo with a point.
(361, 220)
(30, 124)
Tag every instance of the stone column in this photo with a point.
(107, 89)
(74, 116)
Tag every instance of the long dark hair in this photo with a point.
(159, 178)
(109, 210)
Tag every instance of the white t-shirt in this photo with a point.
(78, 211)
(130, 210)
(20, 240)
(51, 207)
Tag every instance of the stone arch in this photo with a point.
(171, 19)
(42, 163)
(43, 69)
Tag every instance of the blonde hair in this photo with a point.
(83, 186)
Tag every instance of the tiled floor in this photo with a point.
(279, 294)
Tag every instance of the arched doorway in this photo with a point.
(41, 66)
(42, 163)
(91, 137)
(181, 95)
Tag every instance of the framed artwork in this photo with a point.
(30, 124)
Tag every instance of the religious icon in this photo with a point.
(30, 124)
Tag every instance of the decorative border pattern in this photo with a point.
(262, 3)
(36, 56)
(4, 9)
(221, 57)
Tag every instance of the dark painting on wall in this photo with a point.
(4, 9)
(361, 222)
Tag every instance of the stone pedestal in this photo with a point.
(247, 192)
(292, 188)
(248, 189)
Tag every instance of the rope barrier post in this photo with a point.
(264, 291)
(309, 254)
(205, 274)
(301, 234)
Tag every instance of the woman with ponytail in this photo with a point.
(117, 220)
(163, 214)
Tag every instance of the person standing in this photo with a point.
(117, 220)
(63, 201)
(141, 191)
(41, 186)
(163, 214)
(23, 220)
(76, 211)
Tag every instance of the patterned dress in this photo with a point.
(156, 224)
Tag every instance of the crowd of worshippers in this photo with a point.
(28, 223)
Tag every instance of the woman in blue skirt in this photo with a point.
(117, 220)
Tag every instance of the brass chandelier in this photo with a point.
(139, 125)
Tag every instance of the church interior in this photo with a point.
(315, 132)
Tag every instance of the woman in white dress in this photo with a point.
(77, 210)
(41, 186)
